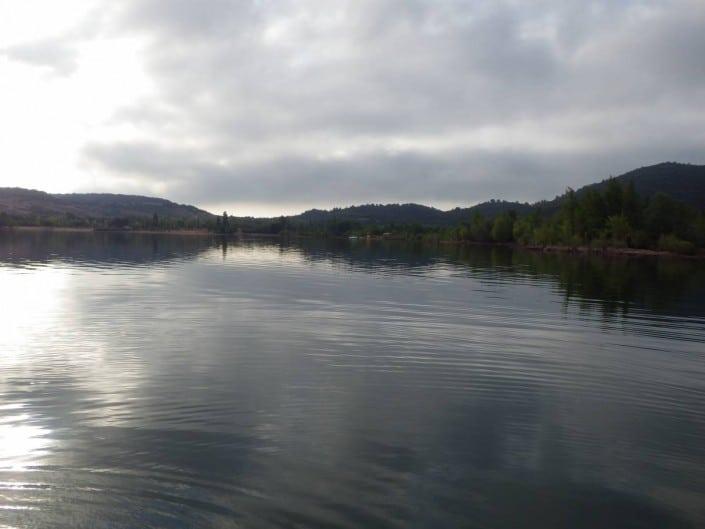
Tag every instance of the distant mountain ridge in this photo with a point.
(408, 213)
(683, 182)
(20, 202)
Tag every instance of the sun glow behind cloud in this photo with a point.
(50, 107)
(274, 107)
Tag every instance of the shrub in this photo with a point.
(524, 231)
(599, 244)
(640, 239)
(547, 234)
(671, 243)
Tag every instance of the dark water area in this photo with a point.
(181, 381)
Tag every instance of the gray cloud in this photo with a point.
(56, 54)
(326, 103)
(449, 179)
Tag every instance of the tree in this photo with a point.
(591, 215)
(698, 230)
(570, 208)
(503, 228)
(660, 215)
(479, 228)
(631, 205)
(524, 230)
(613, 199)
(225, 224)
(119, 222)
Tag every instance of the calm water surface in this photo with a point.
(166, 381)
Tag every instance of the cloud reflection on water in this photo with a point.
(342, 385)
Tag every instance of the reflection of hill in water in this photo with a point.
(615, 284)
(98, 248)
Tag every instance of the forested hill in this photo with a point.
(408, 213)
(63, 208)
(658, 208)
(377, 214)
(683, 182)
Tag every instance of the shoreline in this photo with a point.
(573, 250)
(584, 250)
(607, 252)
(550, 249)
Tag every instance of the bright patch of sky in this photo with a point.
(264, 107)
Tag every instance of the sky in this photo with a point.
(267, 107)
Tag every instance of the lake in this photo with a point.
(182, 381)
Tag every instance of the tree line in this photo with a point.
(70, 220)
(613, 216)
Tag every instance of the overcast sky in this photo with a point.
(269, 106)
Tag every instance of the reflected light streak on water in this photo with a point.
(166, 381)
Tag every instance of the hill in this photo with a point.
(376, 214)
(683, 182)
(491, 208)
(25, 203)
(385, 214)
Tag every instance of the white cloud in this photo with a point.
(318, 102)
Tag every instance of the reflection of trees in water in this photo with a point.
(98, 248)
(614, 282)
(617, 282)
(464, 468)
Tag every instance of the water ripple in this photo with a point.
(176, 382)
